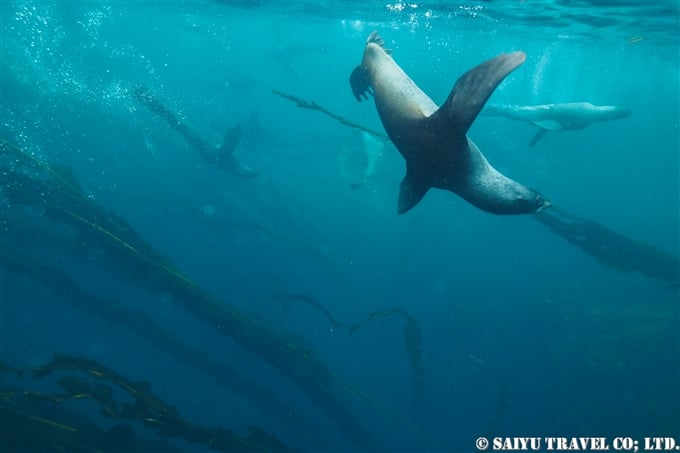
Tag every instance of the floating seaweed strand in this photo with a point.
(610, 248)
(413, 336)
(140, 262)
(147, 407)
(311, 105)
(139, 322)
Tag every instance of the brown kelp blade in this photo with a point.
(142, 406)
(230, 378)
(26, 180)
(611, 248)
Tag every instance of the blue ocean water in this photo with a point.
(522, 333)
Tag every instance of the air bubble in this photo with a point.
(209, 210)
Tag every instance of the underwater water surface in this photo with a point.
(282, 290)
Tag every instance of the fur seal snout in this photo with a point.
(433, 139)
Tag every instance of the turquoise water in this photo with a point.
(523, 334)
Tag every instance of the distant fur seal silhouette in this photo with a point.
(432, 140)
(221, 156)
(558, 117)
(359, 162)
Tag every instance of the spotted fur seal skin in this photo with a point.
(432, 139)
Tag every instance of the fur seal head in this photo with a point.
(433, 139)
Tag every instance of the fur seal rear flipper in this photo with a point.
(433, 140)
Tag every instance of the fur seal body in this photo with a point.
(432, 139)
(558, 117)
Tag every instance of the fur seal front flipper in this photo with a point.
(537, 136)
(433, 140)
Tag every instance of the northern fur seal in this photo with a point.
(432, 140)
(558, 117)
(221, 156)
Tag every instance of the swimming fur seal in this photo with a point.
(432, 140)
(359, 161)
(221, 156)
(558, 117)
